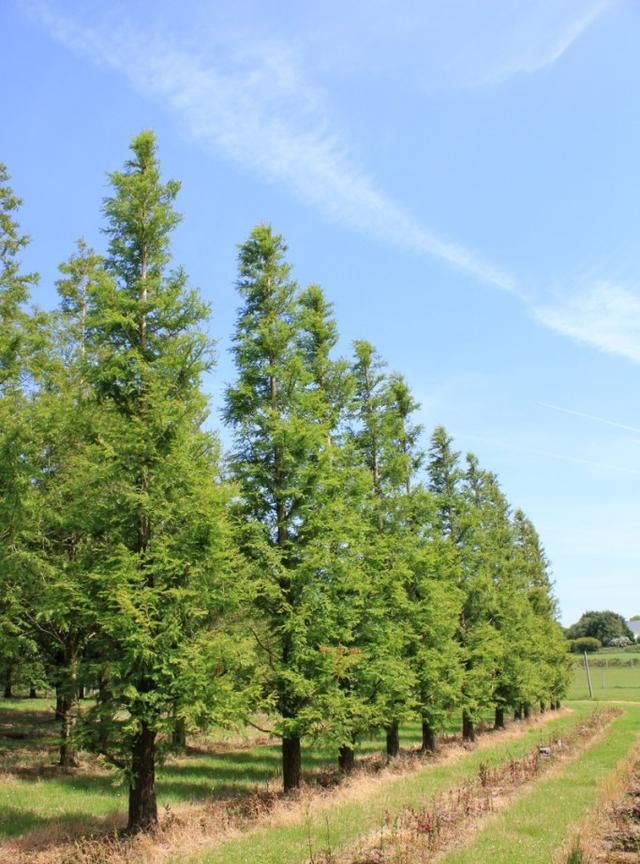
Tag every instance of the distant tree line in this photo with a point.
(595, 629)
(331, 571)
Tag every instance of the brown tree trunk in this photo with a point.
(428, 737)
(499, 724)
(526, 710)
(291, 763)
(556, 705)
(68, 709)
(8, 684)
(32, 692)
(346, 759)
(543, 707)
(179, 735)
(393, 740)
(468, 729)
(59, 701)
(143, 808)
(104, 692)
(517, 714)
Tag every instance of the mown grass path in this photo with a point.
(536, 824)
(339, 821)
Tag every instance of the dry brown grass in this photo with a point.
(190, 828)
(610, 832)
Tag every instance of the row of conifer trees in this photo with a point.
(331, 572)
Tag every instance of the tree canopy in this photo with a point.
(333, 570)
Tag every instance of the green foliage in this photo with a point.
(330, 583)
(20, 343)
(301, 498)
(604, 626)
(584, 644)
(166, 572)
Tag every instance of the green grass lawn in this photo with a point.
(612, 683)
(533, 827)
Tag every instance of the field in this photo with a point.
(610, 680)
(497, 801)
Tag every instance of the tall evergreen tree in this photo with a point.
(166, 571)
(67, 486)
(481, 554)
(547, 649)
(20, 336)
(285, 409)
(386, 440)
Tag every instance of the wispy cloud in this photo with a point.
(254, 107)
(605, 316)
(546, 31)
(593, 417)
(259, 112)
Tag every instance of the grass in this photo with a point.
(535, 825)
(35, 794)
(37, 797)
(327, 829)
(613, 683)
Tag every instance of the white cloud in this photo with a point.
(605, 316)
(253, 107)
(260, 113)
(542, 34)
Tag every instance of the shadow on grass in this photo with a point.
(92, 801)
(16, 822)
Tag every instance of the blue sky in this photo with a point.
(460, 176)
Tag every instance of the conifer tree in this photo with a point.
(434, 653)
(547, 648)
(298, 491)
(166, 573)
(332, 536)
(20, 338)
(386, 441)
(273, 447)
(480, 552)
(67, 487)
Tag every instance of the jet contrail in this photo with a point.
(590, 417)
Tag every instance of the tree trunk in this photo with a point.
(468, 729)
(428, 737)
(543, 707)
(67, 707)
(557, 705)
(291, 763)
(526, 710)
(32, 692)
(8, 684)
(179, 735)
(346, 759)
(517, 714)
(499, 724)
(59, 701)
(143, 809)
(81, 692)
(393, 740)
(104, 693)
